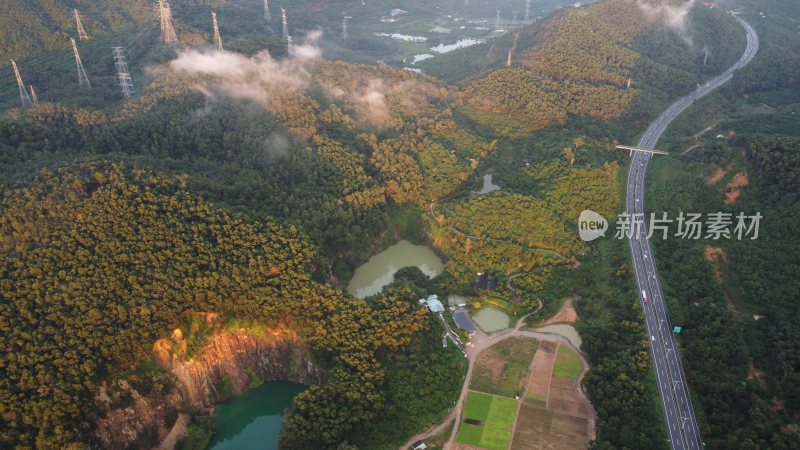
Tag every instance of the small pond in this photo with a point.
(379, 271)
(491, 319)
(568, 331)
(488, 186)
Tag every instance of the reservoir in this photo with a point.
(253, 420)
(379, 271)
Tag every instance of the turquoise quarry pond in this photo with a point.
(253, 420)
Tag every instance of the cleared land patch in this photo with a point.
(553, 415)
(496, 415)
(566, 314)
(567, 363)
(542, 369)
(503, 368)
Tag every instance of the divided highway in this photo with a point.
(677, 405)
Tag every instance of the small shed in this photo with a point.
(486, 281)
(434, 304)
(419, 445)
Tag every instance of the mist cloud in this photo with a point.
(372, 103)
(260, 78)
(367, 95)
(670, 13)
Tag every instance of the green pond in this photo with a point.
(379, 271)
(253, 420)
(491, 319)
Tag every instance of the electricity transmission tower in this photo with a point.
(705, 59)
(122, 72)
(165, 15)
(527, 11)
(33, 96)
(217, 37)
(511, 50)
(267, 15)
(344, 27)
(81, 32)
(497, 21)
(23, 93)
(285, 24)
(82, 78)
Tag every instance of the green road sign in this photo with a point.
(676, 330)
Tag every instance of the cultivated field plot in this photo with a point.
(552, 416)
(539, 428)
(503, 368)
(542, 368)
(495, 419)
(567, 363)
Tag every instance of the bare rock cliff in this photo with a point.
(229, 363)
(231, 359)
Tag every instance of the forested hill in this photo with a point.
(600, 61)
(335, 147)
(236, 182)
(98, 261)
(34, 26)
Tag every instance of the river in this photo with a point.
(253, 420)
(379, 271)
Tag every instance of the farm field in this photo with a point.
(542, 368)
(567, 363)
(552, 415)
(495, 416)
(503, 368)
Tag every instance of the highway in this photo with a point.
(679, 417)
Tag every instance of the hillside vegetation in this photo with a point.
(37, 26)
(579, 65)
(99, 262)
(515, 232)
(332, 158)
(240, 183)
